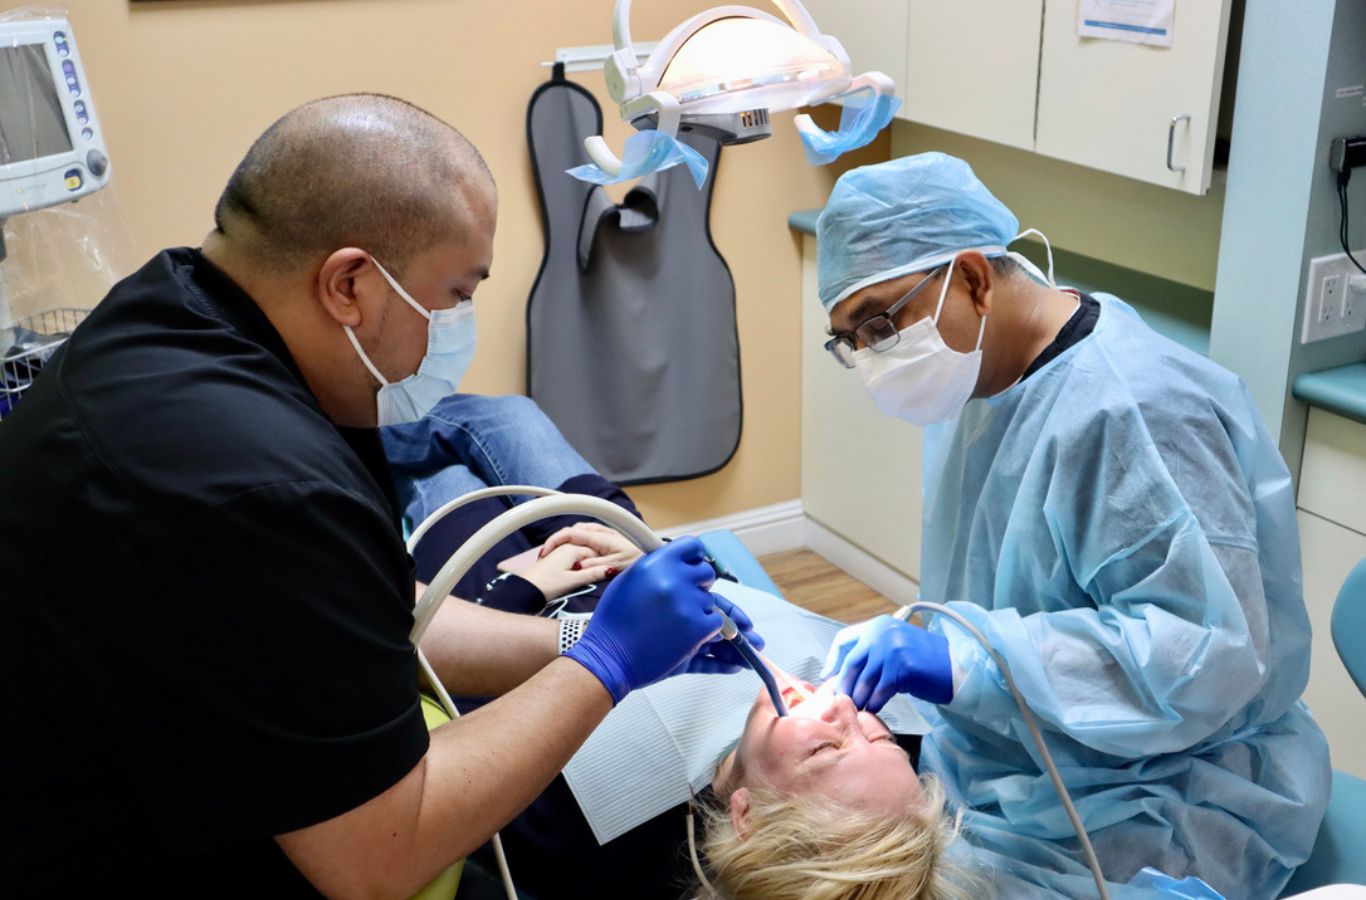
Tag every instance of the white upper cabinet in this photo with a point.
(1118, 106)
(1016, 72)
(972, 66)
(872, 31)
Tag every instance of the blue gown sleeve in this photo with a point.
(1169, 641)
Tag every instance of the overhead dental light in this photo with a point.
(723, 73)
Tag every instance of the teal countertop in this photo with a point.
(804, 220)
(1179, 311)
(1341, 390)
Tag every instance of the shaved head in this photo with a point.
(358, 170)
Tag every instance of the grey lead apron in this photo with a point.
(632, 347)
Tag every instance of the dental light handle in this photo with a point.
(667, 119)
(905, 614)
(602, 155)
(877, 83)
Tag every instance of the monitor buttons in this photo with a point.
(72, 84)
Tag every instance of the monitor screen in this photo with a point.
(31, 120)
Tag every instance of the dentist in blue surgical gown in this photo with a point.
(1110, 510)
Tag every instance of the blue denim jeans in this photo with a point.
(469, 442)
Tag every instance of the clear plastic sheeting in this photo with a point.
(68, 255)
(59, 263)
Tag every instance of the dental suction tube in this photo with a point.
(756, 662)
(500, 856)
(548, 503)
(905, 614)
(512, 521)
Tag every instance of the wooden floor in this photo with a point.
(806, 579)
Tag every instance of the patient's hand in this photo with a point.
(565, 569)
(610, 548)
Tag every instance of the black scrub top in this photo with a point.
(204, 605)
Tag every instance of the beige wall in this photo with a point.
(183, 87)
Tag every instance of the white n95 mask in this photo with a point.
(450, 349)
(921, 379)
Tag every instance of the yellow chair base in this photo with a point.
(443, 886)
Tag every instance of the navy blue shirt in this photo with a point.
(205, 606)
(1080, 324)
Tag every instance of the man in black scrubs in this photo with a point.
(204, 659)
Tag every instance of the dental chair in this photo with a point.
(1339, 854)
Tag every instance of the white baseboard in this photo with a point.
(861, 564)
(767, 529)
(785, 526)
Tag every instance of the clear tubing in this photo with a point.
(905, 613)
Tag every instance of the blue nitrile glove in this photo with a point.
(883, 657)
(652, 619)
(718, 656)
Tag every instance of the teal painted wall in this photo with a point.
(1281, 207)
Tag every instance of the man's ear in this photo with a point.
(739, 813)
(342, 279)
(980, 279)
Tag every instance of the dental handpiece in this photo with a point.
(732, 633)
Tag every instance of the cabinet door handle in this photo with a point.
(1171, 140)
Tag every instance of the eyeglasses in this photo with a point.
(878, 333)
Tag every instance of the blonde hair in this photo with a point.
(812, 848)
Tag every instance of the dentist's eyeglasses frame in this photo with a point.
(878, 333)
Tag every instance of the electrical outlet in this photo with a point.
(1330, 298)
(1333, 306)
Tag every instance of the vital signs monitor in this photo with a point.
(51, 147)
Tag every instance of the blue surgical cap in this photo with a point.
(906, 215)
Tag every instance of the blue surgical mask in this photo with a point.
(860, 121)
(450, 349)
